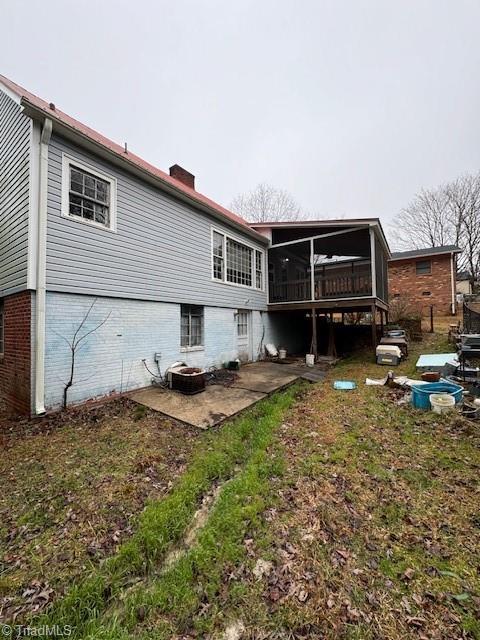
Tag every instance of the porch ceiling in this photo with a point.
(346, 242)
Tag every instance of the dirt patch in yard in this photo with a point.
(71, 486)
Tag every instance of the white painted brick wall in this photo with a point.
(110, 359)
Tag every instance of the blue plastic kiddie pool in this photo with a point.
(421, 393)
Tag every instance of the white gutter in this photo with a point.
(41, 269)
(454, 301)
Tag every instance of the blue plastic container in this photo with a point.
(421, 393)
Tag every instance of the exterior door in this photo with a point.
(244, 335)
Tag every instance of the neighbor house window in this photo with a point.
(191, 327)
(2, 329)
(423, 267)
(242, 324)
(88, 195)
(235, 262)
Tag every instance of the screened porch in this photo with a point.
(336, 265)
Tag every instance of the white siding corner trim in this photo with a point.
(67, 162)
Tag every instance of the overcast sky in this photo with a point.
(352, 106)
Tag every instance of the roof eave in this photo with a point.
(99, 149)
(325, 223)
(425, 255)
(352, 222)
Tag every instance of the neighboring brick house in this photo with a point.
(425, 277)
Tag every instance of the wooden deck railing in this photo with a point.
(347, 286)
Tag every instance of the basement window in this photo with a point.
(2, 330)
(191, 326)
(88, 195)
(423, 267)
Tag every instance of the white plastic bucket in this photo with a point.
(310, 360)
(442, 402)
(282, 354)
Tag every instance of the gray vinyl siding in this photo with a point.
(14, 195)
(161, 249)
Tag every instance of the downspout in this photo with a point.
(41, 269)
(454, 310)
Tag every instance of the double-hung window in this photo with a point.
(218, 257)
(88, 195)
(234, 262)
(191, 326)
(258, 269)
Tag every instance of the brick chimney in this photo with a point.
(182, 175)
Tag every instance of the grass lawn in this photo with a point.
(70, 488)
(317, 514)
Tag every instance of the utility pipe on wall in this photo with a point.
(41, 269)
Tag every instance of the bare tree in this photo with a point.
(425, 222)
(266, 204)
(448, 214)
(464, 199)
(81, 333)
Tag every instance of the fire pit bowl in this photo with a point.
(188, 380)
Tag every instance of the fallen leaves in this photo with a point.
(408, 574)
(262, 568)
(71, 485)
(370, 517)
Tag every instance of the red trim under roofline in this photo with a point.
(35, 107)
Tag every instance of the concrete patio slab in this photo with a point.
(202, 410)
(264, 377)
(255, 381)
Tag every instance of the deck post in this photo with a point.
(372, 263)
(374, 326)
(312, 269)
(314, 333)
